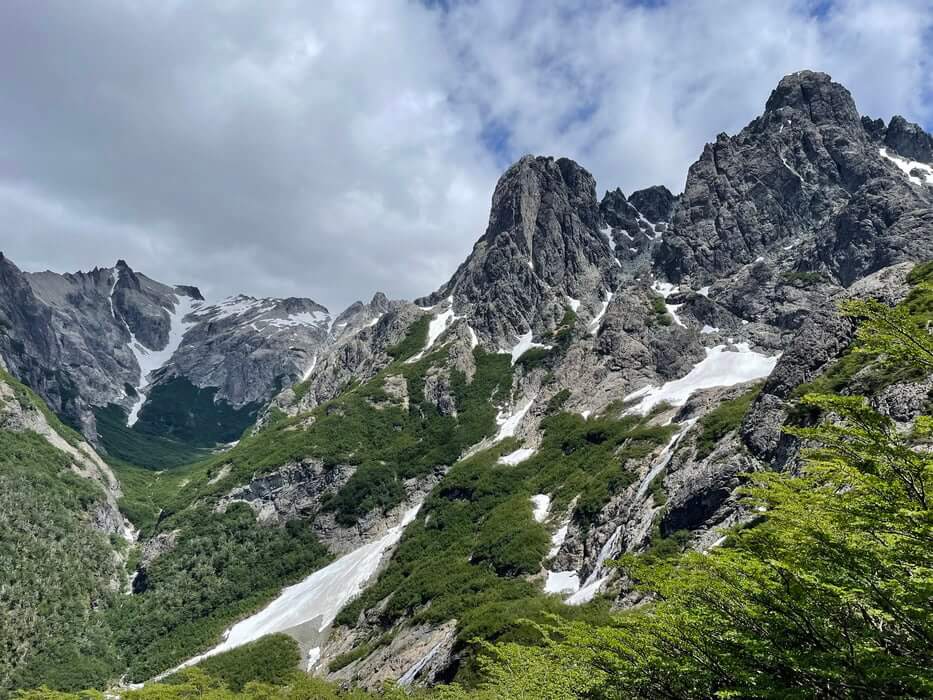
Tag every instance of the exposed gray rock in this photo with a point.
(293, 491)
(909, 140)
(542, 246)
(806, 175)
(415, 656)
(905, 401)
(249, 348)
(656, 203)
(76, 340)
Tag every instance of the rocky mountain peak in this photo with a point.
(805, 187)
(535, 182)
(189, 291)
(543, 244)
(813, 96)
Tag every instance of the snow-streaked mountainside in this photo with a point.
(592, 381)
(113, 337)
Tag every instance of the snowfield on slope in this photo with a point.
(151, 360)
(318, 597)
(722, 367)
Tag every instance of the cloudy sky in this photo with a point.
(333, 148)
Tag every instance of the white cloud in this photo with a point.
(334, 148)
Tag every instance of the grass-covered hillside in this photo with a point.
(57, 571)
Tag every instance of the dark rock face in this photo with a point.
(249, 348)
(656, 203)
(69, 336)
(909, 140)
(542, 245)
(806, 175)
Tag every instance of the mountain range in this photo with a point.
(391, 484)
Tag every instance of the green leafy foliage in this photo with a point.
(146, 491)
(128, 445)
(361, 427)
(193, 416)
(557, 401)
(195, 683)
(415, 339)
(464, 557)
(659, 307)
(271, 660)
(55, 568)
(27, 397)
(803, 279)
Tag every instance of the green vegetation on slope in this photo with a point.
(722, 420)
(54, 570)
(128, 445)
(194, 684)
(271, 660)
(363, 428)
(223, 566)
(192, 416)
(465, 556)
(146, 492)
(827, 595)
(177, 425)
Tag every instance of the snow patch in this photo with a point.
(150, 360)
(672, 309)
(574, 304)
(436, 327)
(557, 539)
(722, 367)
(908, 166)
(307, 373)
(541, 503)
(703, 291)
(562, 582)
(665, 289)
(594, 324)
(319, 597)
(523, 345)
(707, 329)
(313, 657)
(607, 232)
(508, 423)
(474, 341)
(517, 457)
